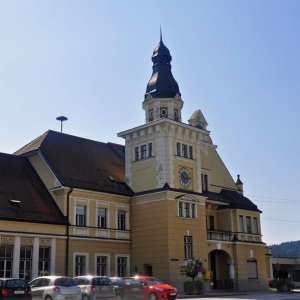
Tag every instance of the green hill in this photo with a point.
(286, 249)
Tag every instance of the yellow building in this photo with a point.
(146, 207)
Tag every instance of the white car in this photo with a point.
(54, 288)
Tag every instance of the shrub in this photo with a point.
(284, 285)
(192, 288)
(188, 287)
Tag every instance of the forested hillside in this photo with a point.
(287, 249)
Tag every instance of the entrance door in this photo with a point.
(219, 265)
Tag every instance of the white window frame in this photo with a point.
(121, 206)
(139, 155)
(82, 202)
(103, 204)
(107, 255)
(86, 261)
(179, 146)
(127, 263)
(190, 203)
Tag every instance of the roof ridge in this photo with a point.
(40, 137)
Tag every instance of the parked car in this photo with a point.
(119, 287)
(95, 287)
(155, 289)
(54, 288)
(127, 288)
(15, 288)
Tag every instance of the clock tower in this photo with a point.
(165, 150)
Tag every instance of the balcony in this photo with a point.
(229, 236)
(220, 235)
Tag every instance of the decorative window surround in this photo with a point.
(107, 255)
(86, 255)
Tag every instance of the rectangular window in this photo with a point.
(81, 215)
(204, 181)
(102, 217)
(255, 225)
(44, 261)
(136, 153)
(25, 262)
(180, 206)
(178, 149)
(184, 150)
(150, 150)
(252, 269)
(242, 229)
(188, 247)
(176, 114)
(102, 265)
(193, 210)
(143, 151)
(191, 152)
(151, 115)
(122, 220)
(122, 266)
(80, 265)
(248, 224)
(212, 223)
(187, 210)
(6, 259)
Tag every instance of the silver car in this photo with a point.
(95, 287)
(54, 288)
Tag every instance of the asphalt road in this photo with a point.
(266, 296)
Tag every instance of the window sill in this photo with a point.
(142, 159)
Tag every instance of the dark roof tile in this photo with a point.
(82, 163)
(19, 181)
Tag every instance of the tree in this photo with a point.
(192, 268)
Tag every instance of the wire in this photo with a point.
(281, 200)
(281, 220)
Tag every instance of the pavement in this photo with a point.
(218, 294)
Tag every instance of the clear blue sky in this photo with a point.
(237, 61)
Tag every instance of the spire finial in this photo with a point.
(160, 33)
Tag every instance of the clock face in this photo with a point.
(185, 177)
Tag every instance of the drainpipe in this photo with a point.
(68, 232)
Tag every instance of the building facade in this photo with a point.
(143, 208)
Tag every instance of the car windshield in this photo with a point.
(101, 281)
(153, 281)
(64, 281)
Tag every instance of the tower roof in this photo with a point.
(162, 83)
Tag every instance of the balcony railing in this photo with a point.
(230, 236)
(220, 235)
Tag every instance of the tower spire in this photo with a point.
(160, 33)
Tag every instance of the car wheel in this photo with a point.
(85, 297)
(118, 297)
(48, 298)
(152, 297)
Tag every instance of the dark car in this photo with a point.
(15, 288)
(95, 287)
(127, 288)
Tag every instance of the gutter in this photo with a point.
(68, 232)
